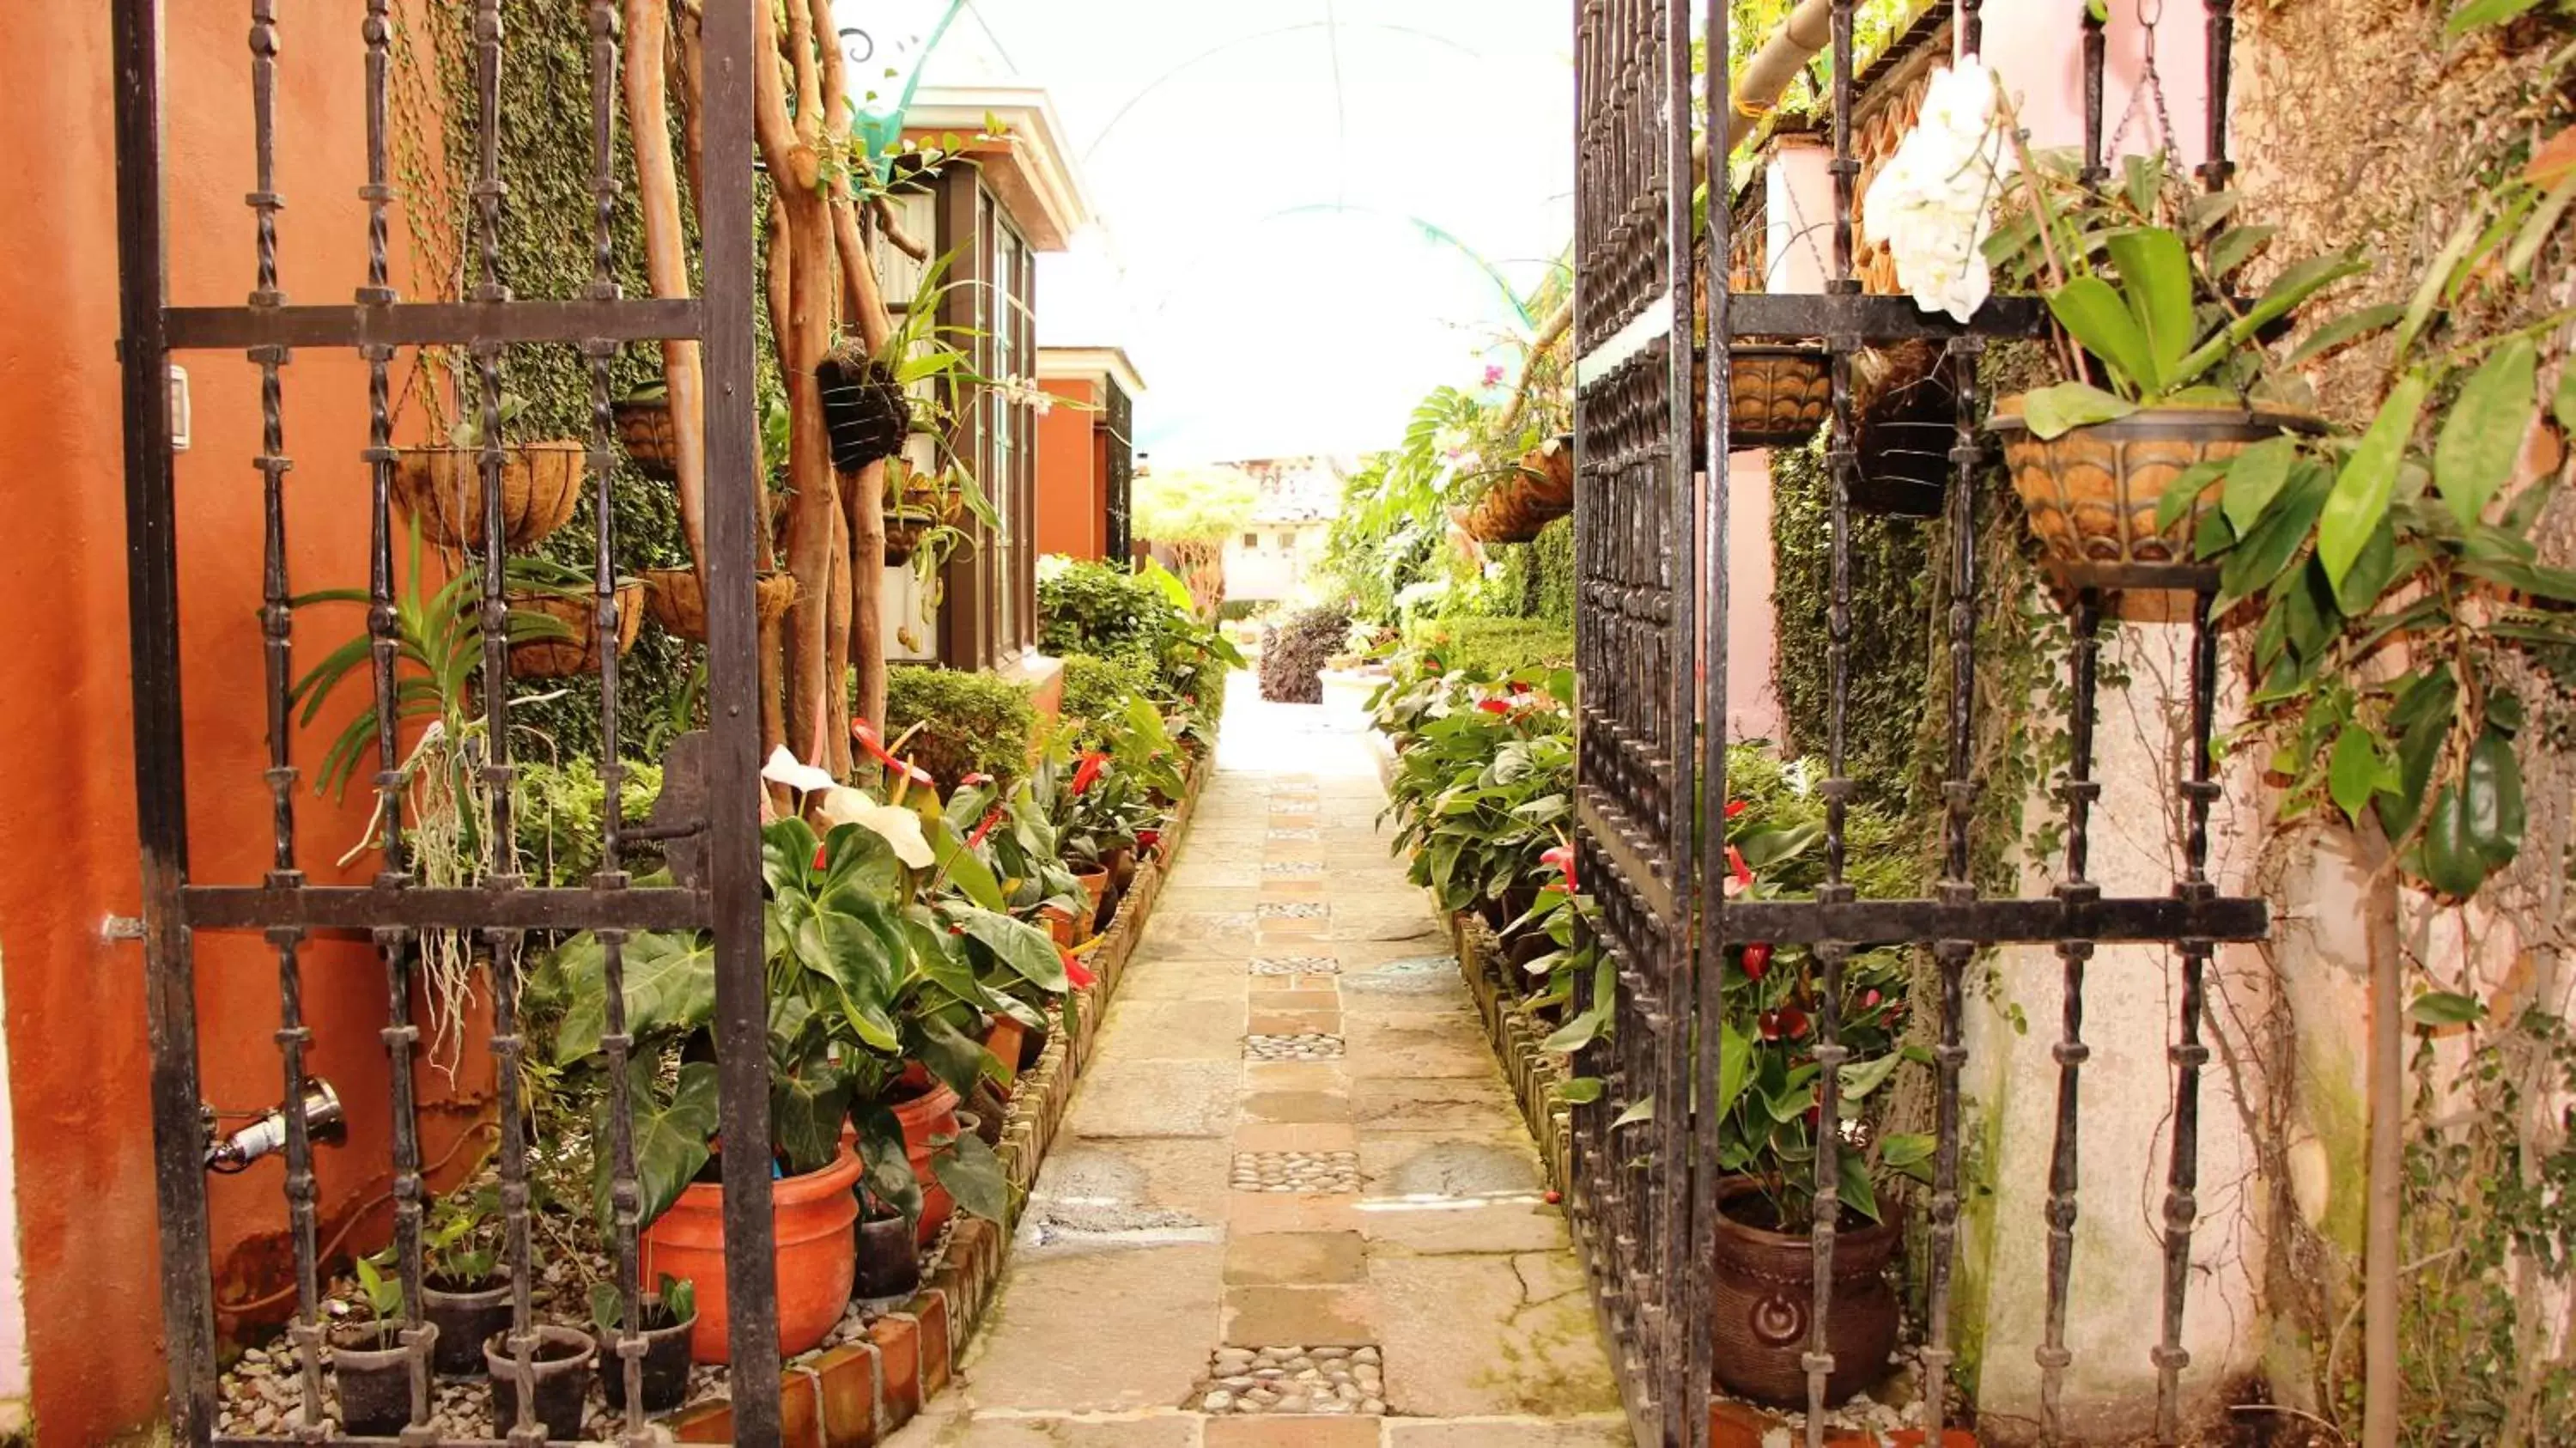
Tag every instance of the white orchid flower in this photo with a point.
(786, 769)
(1933, 203)
(896, 825)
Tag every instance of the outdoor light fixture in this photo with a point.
(267, 1135)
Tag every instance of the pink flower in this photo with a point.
(1740, 876)
(1493, 376)
(972, 780)
(1562, 857)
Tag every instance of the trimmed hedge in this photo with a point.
(1293, 653)
(1503, 645)
(971, 722)
(1098, 689)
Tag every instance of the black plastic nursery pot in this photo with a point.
(372, 1370)
(865, 412)
(465, 1313)
(561, 1361)
(889, 1258)
(666, 1362)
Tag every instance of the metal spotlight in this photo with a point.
(323, 1122)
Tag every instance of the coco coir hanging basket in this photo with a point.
(441, 489)
(2093, 491)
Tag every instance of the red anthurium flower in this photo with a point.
(1740, 874)
(1793, 1022)
(1074, 970)
(1757, 959)
(866, 735)
(1092, 764)
(1495, 706)
(1869, 1000)
(1735, 807)
(1562, 857)
(972, 780)
(1769, 1024)
(822, 855)
(1431, 666)
(1148, 839)
(984, 827)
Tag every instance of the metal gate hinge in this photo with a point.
(121, 927)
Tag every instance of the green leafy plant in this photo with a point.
(458, 1250)
(468, 430)
(961, 722)
(673, 1301)
(1096, 691)
(380, 1290)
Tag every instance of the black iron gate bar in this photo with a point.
(393, 909)
(1642, 548)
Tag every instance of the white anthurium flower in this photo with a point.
(1933, 203)
(898, 826)
(785, 768)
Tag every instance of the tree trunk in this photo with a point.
(864, 641)
(864, 502)
(666, 262)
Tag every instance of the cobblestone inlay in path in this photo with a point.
(1322, 1172)
(1292, 867)
(1292, 910)
(1304, 1046)
(1295, 965)
(1281, 1380)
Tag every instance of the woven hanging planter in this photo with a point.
(1538, 491)
(652, 443)
(441, 489)
(679, 605)
(865, 412)
(1776, 396)
(2092, 492)
(564, 658)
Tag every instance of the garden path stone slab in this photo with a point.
(1469, 1335)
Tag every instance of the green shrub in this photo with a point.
(1293, 653)
(1098, 609)
(971, 723)
(555, 812)
(1501, 645)
(1552, 555)
(1236, 610)
(1097, 690)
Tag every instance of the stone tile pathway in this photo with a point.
(1293, 1205)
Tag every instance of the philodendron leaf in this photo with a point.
(670, 983)
(670, 1136)
(1734, 1067)
(1642, 1111)
(2101, 323)
(885, 1175)
(974, 1176)
(1863, 1077)
(2369, 479)
(1580, 1091)
(1023, 947)
(2478, 14)
(2482, 436)
(2052, 412)
(2184, 490)
(1860, 1195)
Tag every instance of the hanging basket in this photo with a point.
(679, 605)
(917, 511)
(2092, 492)
(441, 489)
(1905, 411)
(564, 658)
(1539, 490)
(651, 441)
(865, 412)
(1776, 396)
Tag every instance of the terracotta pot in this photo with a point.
(2092, 492)
(560, 1362)
(652, 443)
(931, 1114)
(563, 658)
(441, 488)
(1762, 1289)
(889, 1258)
(666, 1364)
(1005, 1040)
(464, 1315)
(679, 605)
(374, 1379)
(1061, 926)
(812, 1213)
(1095, 884)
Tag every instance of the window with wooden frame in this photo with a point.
(988, 616)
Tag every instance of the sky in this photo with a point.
(1271, 183)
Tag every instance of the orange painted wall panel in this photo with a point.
(1073, 496)
(68, 857)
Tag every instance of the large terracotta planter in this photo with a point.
(2092, 492)
(812, 1216)
(1005, 1041)
(441, 489)
(1761, 1295)
(928, 1117)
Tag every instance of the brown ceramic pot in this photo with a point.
(2092, 492)
(1761, 1294)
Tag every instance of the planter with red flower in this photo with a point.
(1482, 787)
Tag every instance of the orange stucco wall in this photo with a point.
(1073, 480)
(78, 1057)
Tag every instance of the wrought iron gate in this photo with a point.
(395, 910)
(1651, 639)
